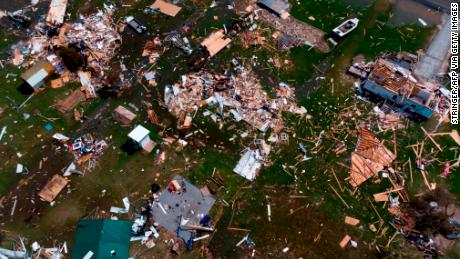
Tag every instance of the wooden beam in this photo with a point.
(338, 195)
(431, 138)
(410, 170)
(375, 209)
(337, 179)
(394, 144)
(298, 197)
(391, 239)
(425, 180)
(238, 229)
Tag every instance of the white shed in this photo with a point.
(141, 135)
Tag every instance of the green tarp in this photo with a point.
(105, 238)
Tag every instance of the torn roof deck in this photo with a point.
(56, 12)
(166, 8)
(53, 188)
(401, 81)
(369, 158)
(216, 42)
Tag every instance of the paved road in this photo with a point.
(441, 5)
(430, 65)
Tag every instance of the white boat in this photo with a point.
(346, 27)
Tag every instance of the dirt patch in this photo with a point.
(295, 223)
(24, 195)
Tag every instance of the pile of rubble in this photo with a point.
(152, 50)
(85, 149)
(294, 33)
(431, 222)
(240, 95)
(94, 38)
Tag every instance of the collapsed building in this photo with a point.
(240, 95)
(84, 47)
(391, 78)
(291, 32)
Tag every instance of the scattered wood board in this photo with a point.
(351, 221)
(345, 241)
(53, 188)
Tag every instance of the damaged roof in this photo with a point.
(216, 42)
(369, 158)
(402, 82)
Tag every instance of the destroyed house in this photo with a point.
(102, 238)
(397, 85)
(35, 77)
(279, 7)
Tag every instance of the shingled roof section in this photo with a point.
(369, 158)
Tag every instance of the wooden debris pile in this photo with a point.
(294, 33)
(95, 39)
(239, 95)
(153, 50)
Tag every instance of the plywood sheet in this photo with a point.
(216, 42)
(53, 188)
(166, 8)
